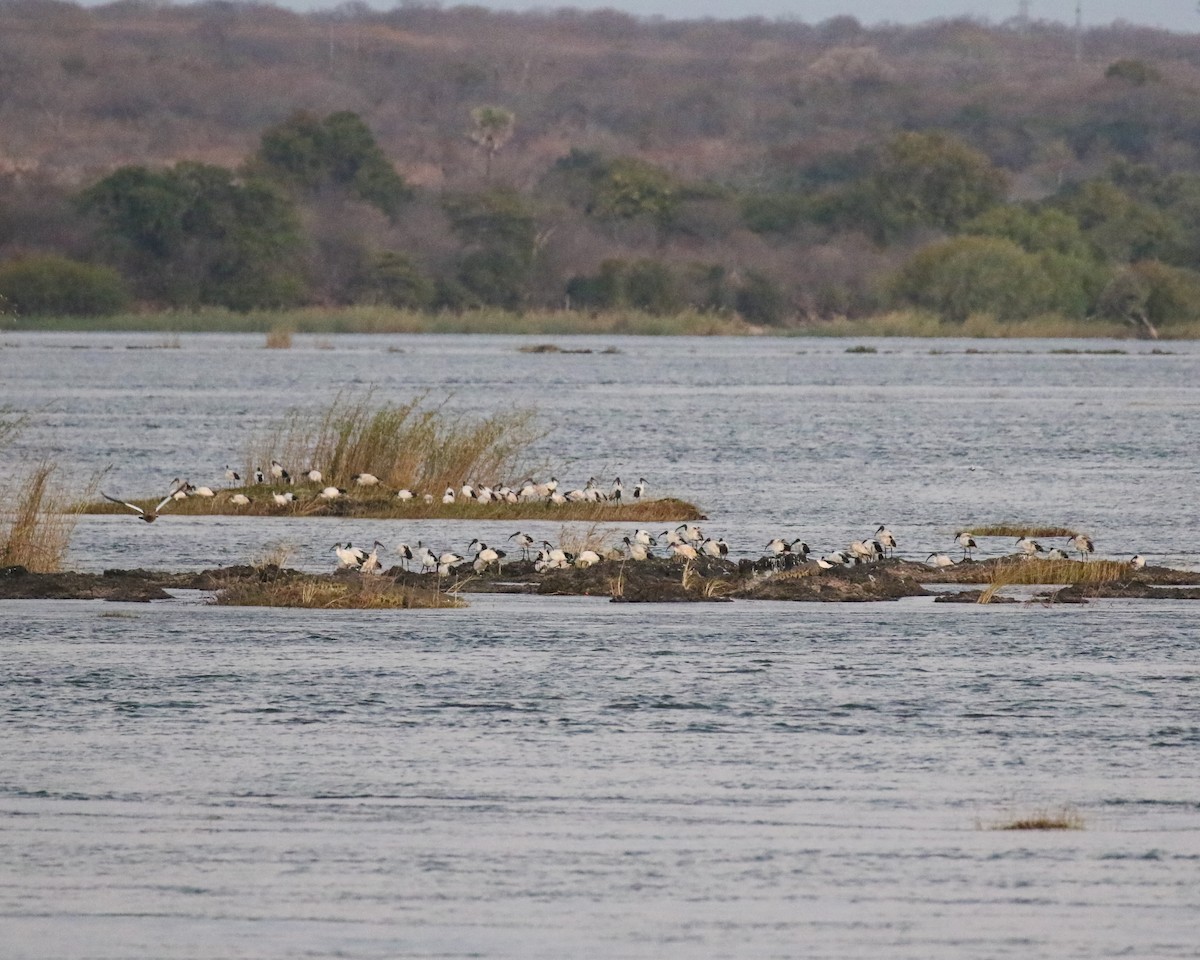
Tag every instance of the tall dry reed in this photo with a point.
(403, 444)
(38, 531)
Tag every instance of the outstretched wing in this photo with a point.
(131, 506)
(165, 500)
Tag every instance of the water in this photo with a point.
(537, 778)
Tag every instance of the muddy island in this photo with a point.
(656, 580)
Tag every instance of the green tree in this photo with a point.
(760, 300)
(51, 285)
(196, 234)
(491, 129)
(394, 279)
(1121, 227)
(499, 234)
(312, 154)
(922, 180)
(966, 275)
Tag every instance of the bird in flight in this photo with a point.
(142, 514)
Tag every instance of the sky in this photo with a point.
(1177, 15)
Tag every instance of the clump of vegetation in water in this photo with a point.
(404, 445)
(1063, 819)
(351, 592)
(1020, 530)
(36, 532)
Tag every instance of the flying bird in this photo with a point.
(142, 514)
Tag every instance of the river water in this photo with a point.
(568, 778)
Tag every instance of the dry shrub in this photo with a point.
(38, 531)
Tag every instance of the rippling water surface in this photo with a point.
(535, 778)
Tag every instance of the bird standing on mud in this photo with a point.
(966, 541)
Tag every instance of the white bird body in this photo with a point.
(1057, 553)
(586, 559)
(283, 499)
(643, 537)
(712, 548)
(314, 476)
(405, 553)
(685, 550)
(639, 490)
(1030, 547)
(637, 550)
(277, 470)
(524, 541)
(1137, 561)
(1083, 544)
(939, 560)
(231, 475)
(201, 491)
(404, 494)
(239, 500)
(371, 562)
(330, 493)
(555, 555)
(425, 555)
(885, 538)
(448, 496)
(349, 555)
(365, 480)
(557, 498)
(860, 551)
(966, 541)
(618, 488)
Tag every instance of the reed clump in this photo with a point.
(1021, 530)
(37, 533)
(279, 338)
(1034, 571)
(355, 592)
(1064, 818)
(402, 444)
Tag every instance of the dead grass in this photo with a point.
(1064, 818)
(1033, 571)
(1020, 530)
(37, 533)
(360, 592)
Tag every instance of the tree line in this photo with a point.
(827, 188)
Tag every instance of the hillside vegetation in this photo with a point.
(247, 157)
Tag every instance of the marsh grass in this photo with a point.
(37, 533)
(1017, 530)
(1034, 571)
(1064, 818)
(403, 444)
(357, 592)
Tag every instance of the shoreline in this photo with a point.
(657, 580)
(561, 323)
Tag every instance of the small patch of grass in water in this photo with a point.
(356, 592)
(1065, 818)
(1017, 530)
